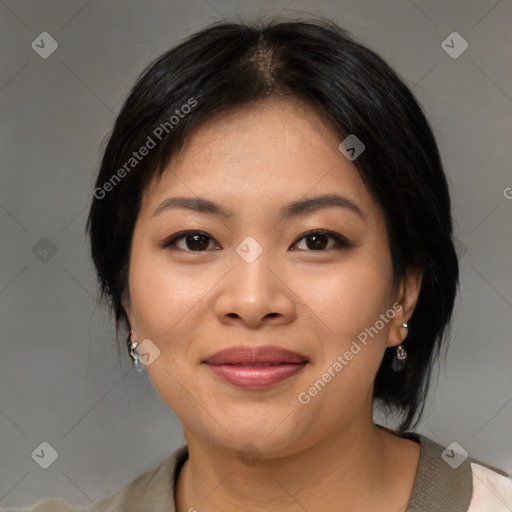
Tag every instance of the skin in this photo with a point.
(327, 454)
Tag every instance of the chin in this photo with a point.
(274, 439)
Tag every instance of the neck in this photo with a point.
(362, 469)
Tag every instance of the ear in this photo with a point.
(126, 303)
(407, 296)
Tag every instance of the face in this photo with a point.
(313, 279)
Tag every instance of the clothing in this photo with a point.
(471, 487)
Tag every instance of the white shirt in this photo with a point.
(492, 492)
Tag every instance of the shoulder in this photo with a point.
(447, 479)
(48, 505)
(152, 490)
(492, 489)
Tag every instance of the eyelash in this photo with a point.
(341, 242)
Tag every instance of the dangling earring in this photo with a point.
(132, 345)
(398, 362)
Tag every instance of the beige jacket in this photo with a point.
(471, 487)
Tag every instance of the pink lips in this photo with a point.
(255, 367)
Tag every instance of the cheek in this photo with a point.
(171, 302)
(346, 306)
(151, 297)
(160, 294)
(348, 297)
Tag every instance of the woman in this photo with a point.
(271, 225)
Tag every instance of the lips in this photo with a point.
(268, 355)
(255, 368)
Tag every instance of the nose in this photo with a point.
(255, 294)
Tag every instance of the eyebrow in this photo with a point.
(293, 209)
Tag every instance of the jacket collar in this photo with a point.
(438, 487)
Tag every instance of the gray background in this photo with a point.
(61, 381)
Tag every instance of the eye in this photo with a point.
(194, 241)
(198, 241)
(319, 240)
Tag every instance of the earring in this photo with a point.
(398, 362)
(132, 345)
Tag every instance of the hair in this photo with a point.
(230, 65)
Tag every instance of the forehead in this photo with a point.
(270, 149)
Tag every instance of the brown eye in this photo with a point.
(193, 241)
(319, 240)
(198, 241)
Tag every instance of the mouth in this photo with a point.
(267, 355)
(255, 368)
(254, 365)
